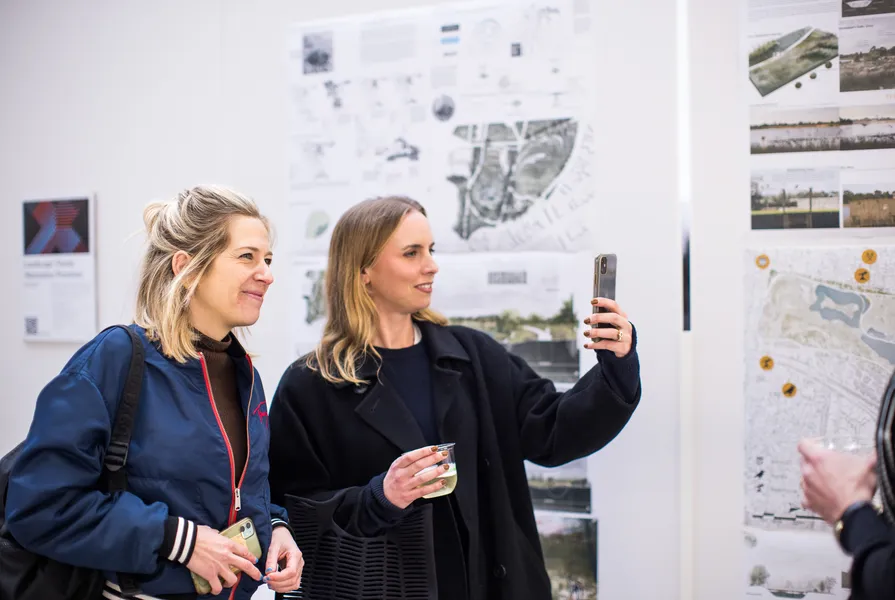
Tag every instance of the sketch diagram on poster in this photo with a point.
(319, 161)
(309, 316)
(443, 107)
(322, 107)
(317, 50)
(829, 336)
(510, 169)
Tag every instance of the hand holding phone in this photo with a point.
(604, 282)
(222, 555)
(610, 328)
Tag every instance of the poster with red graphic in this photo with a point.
(58, 270)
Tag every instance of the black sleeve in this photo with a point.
(622, 374)
(296, 468)
(555, 427)
(872, 543)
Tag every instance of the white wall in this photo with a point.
(136, 101)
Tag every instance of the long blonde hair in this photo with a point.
(351, 318)
(197, 222)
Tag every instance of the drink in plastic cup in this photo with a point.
(449, 475)
(844, 443)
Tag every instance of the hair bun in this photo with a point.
(153, 213)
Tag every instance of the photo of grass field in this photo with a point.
(867, 127)
(868, 205)
(806, 130)
(778, 62)
(870, 70)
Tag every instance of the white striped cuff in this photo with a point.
(113, 592)
(180, 540)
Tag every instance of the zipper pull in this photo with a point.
(238, 504)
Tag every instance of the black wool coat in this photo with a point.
(329, 441)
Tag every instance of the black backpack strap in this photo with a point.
(116, 454)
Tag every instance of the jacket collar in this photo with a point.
(235, 349)
(441, 345)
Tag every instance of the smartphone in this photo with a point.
(244, 533)
(604, 282)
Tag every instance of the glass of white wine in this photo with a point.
(449, 475)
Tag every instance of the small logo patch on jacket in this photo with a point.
(261, 412)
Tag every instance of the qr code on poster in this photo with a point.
(30, 325)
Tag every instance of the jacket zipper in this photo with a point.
(236, 495)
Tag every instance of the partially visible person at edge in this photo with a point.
(391, 376)
(198, 457)
(839, 487)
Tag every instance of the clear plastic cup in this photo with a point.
(449, 475)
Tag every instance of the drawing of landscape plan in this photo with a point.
(519, 185)
(819, 349)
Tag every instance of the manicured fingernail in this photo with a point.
(446, 467)
(595, 301)
(269, 570)
(587, 320)
(444, 453)
(434, 448)
(265, 579)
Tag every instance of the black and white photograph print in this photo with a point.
(318, 52)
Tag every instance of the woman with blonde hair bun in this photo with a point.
(197, 461)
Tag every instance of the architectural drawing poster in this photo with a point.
(58, 270)
(821, 89)
(820, 348)
(482, 112)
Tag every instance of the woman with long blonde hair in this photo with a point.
(197, 460)
(358, 427)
